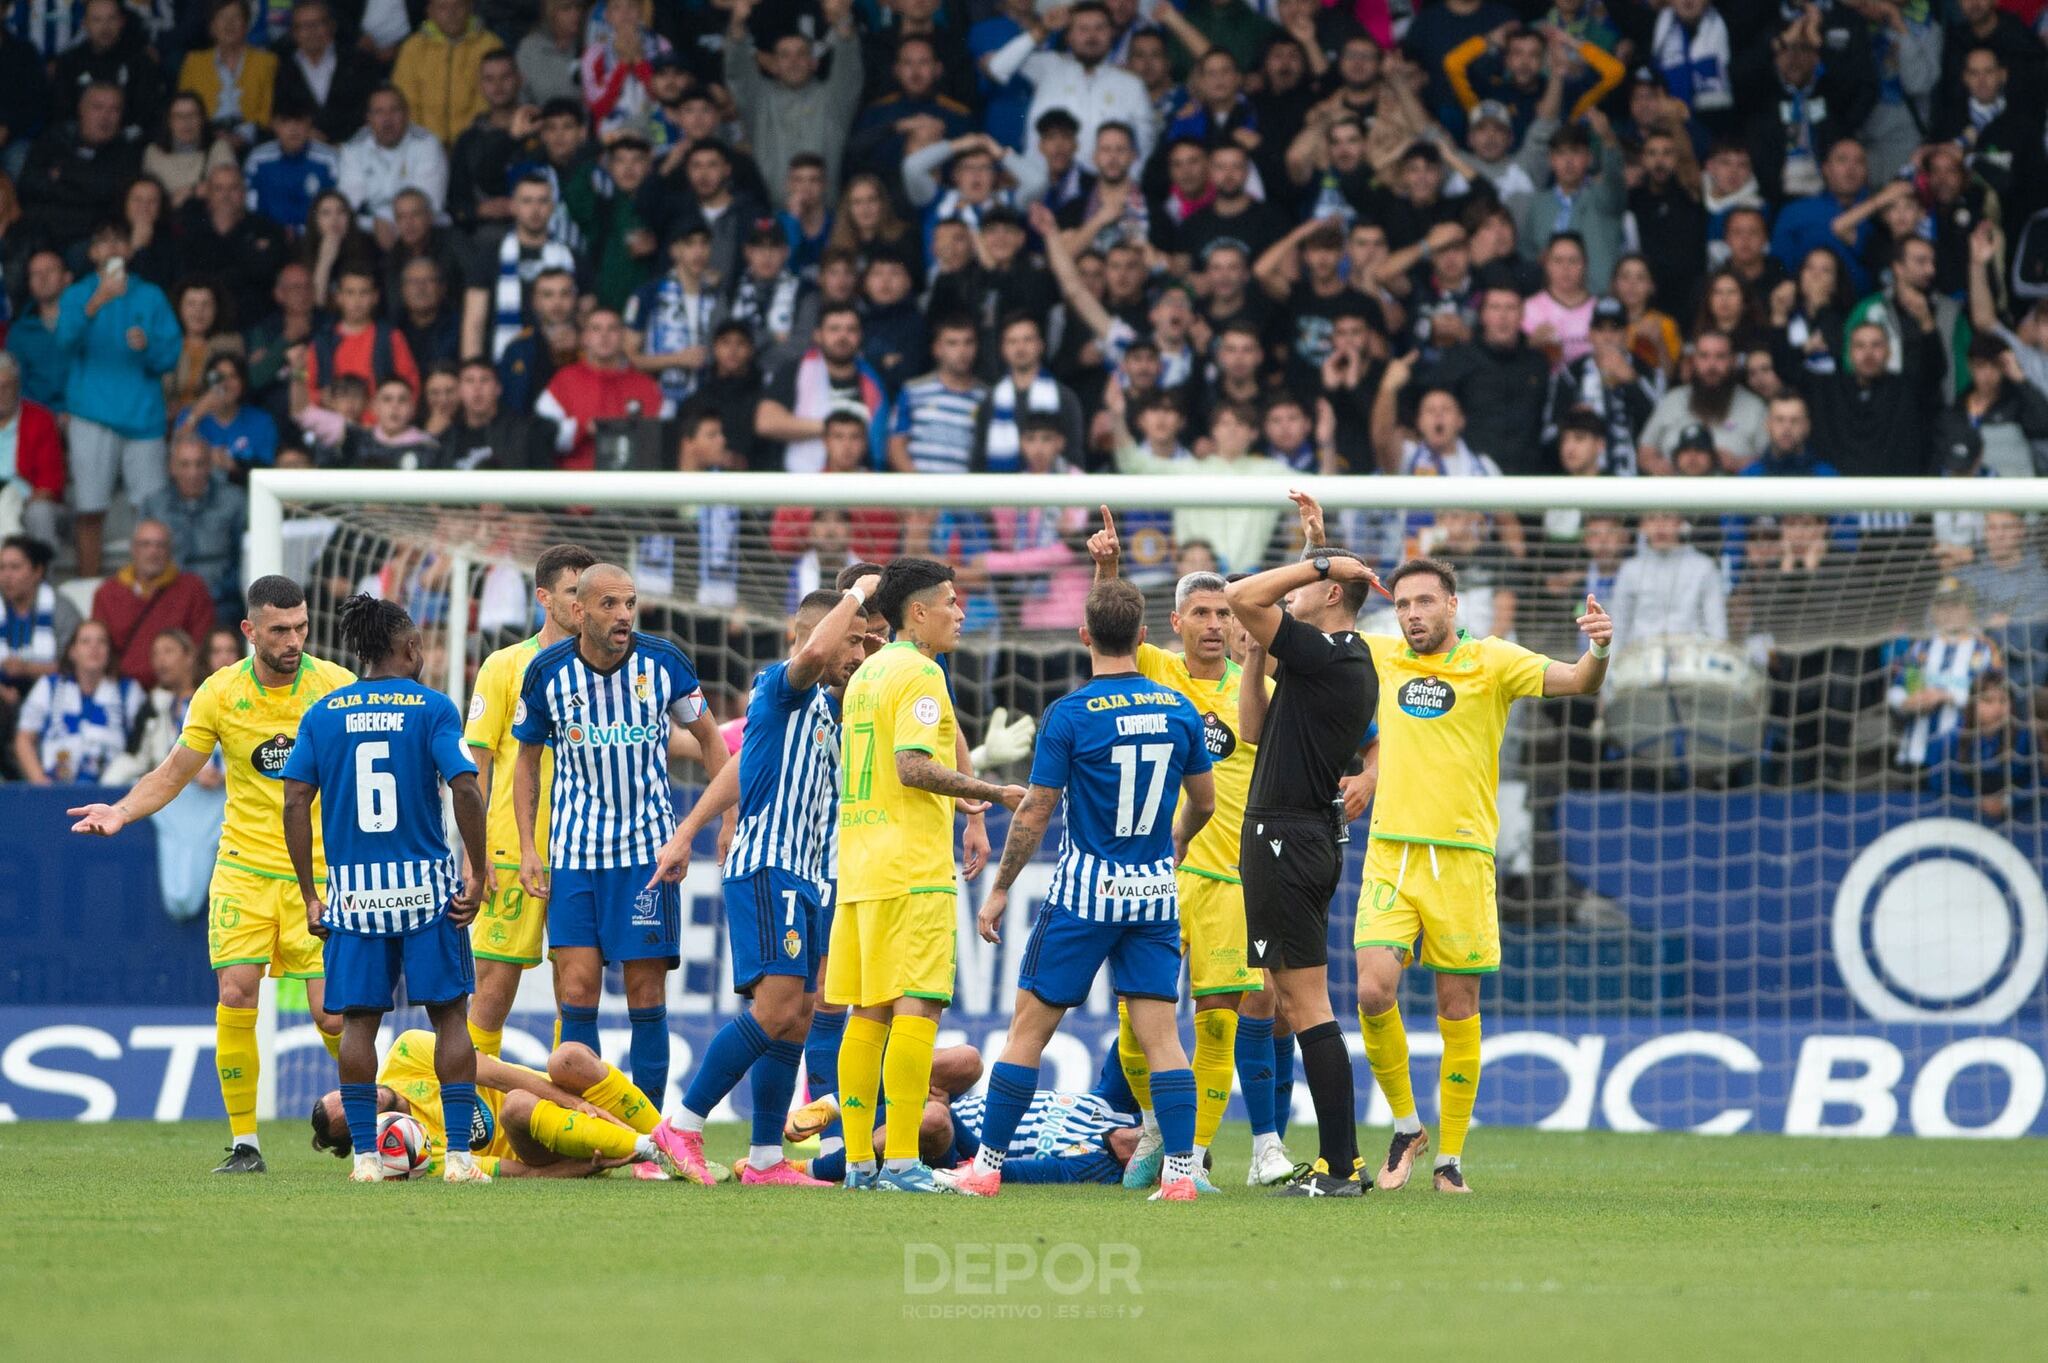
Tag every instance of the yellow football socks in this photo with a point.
(1137, 1073)
(332, 1041)
(235, 1056)
(906, 1081)
(860, 1085)
(576, 1136)
(616, 1094)
(1215, 1060)
(1460, 1087)
(1386, 1050)
(486, 1042)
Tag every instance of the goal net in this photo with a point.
(1784, 873)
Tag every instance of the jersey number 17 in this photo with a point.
(1128, 757)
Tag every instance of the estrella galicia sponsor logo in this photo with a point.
(269, 758)
(1426, 698)
(1217, 737)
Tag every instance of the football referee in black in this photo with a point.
(1290, 857)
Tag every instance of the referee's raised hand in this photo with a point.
(1105, 548)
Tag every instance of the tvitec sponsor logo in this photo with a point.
(584, 735)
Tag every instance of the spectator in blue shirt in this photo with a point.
(1809, 222)
(240, 438)
(288, 172)
(32, 338)
(122, 338)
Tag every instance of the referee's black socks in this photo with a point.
(1326, 1064)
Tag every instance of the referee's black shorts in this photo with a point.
(1290, 864)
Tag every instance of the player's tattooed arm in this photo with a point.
(925, 772)
(1027, 831)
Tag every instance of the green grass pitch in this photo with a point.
(116, 1243)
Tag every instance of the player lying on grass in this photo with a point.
(580, 1118)
(374, 753)
(1118, 752)
(1065, 1137)
(786, 785)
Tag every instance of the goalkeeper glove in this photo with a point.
(1007, 740)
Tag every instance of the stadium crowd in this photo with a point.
(1602, 238)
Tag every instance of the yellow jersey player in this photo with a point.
(509, 935)
(582, 1117)
(1212, 922)
(256, 921)
(1443, 709)
(892, 947)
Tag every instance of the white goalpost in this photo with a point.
(1795, 818)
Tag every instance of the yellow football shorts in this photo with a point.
(510, 925)
(258, 919)
(1212, 935)
(887, 949)
(1443, 894)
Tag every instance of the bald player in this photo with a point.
(601, 703)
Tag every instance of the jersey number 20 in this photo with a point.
(376, 791)
(1127, 756)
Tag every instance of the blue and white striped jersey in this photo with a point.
(938, 422)
(377, 751)
(1119, 748)
(609, 734)
(789, 780)
(1055, 1124)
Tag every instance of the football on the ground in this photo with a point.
(401, 1144)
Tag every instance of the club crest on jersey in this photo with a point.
(269, 758)
(643, 688)
(1426, 698)
(1217, 737)
(792, 944)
